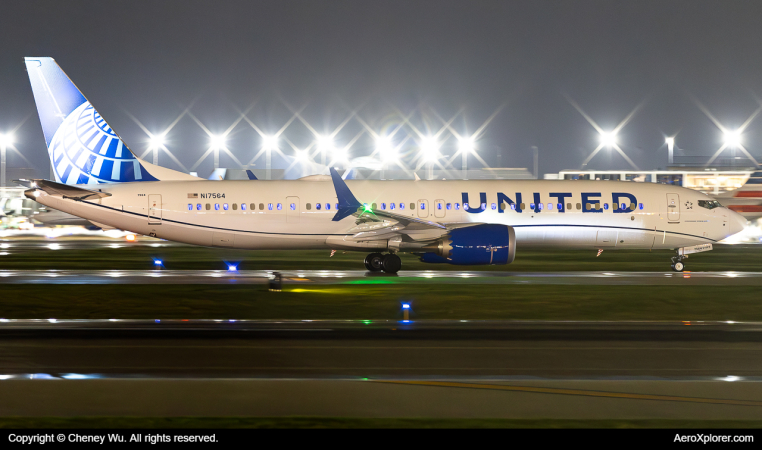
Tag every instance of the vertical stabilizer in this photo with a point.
(83, 148)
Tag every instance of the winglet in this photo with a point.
(347, 202)
(250, 174)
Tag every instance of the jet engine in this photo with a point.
(477, 245)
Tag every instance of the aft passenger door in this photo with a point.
(154, 209)
(439, 208)
(673, 208)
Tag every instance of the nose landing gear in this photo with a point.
(376, 262)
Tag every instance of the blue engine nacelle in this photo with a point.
(476, 245)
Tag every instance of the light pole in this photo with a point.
(217, 142)
(430, 150)
(5, 141)
(466, 146)
(388, 152)
(536, 161)
(670, 147)
(269, 143)
(325, 144)
(156, 142)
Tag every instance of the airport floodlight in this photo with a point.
(6, 139)
(670, 141)
(302, 156)
(430, 148)
(466, 145)
(217, 140)
(157, 262)
(385, 147)
(340, 154)
(406, 306)
(270, 142)
(156, 141)
(733, 138)
(608, 139)
(325, 143)
(232, 268)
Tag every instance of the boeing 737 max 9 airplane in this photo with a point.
(457, 222)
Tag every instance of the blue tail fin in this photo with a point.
(82, 146)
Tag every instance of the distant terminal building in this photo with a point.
(739, 190)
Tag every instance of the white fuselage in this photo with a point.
(195, 212)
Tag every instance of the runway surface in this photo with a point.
(382, 349)
(437, 369)
(161, 276)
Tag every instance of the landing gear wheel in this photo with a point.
(374, 262)
(678, 266)
(391, 263)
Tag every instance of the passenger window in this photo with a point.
(606, 206)
(439, 205)
(383, 205)
(198, 207)
(550, 206)
(374, 206)
(531, 206)
(423, 205)
(216, 206)
(449, 206)
(208, 206)
(235, 207)
(269, 206)
(502, 207)
(568, 206)
(190, 206)
(317, 206)
(328, 206)
(597, 206)
(513, 207)
(391, 206)
(293, 207)
(641, 206)
(225, 206)
(412, 206)
(523, 206)
(588, 206)
(402, 206)
(280, 206)
(539, 206)
(337, 207)
(309, 206)
(579, 206)
(243, 206)
(632, 206)
(261, 206)
(494, 206)
(457, 206)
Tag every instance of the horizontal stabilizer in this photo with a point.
(64, 190)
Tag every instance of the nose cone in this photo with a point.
(736, 222)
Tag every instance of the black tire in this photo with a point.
(392, 263)
(678, 266)
(374, 262)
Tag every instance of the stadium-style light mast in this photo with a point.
(388, 153)
(269, 143)
(155, 143)
(430, 153)
(5, 140)
(466, 146)
(670, 141)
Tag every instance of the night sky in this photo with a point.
(151, 59)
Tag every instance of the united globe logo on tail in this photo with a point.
(83, 148)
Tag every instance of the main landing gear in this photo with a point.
(376, 262)
(677, 262)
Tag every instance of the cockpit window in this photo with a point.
(709, 204)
